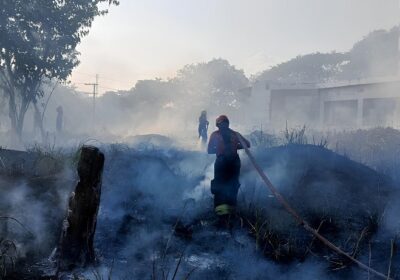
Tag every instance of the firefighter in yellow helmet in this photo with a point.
(225, 143)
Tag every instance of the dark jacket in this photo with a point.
(225, 142)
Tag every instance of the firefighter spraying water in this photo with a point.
(224, 143)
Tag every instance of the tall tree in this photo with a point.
(38, 40)
(376, 55)
(214, 84)
(310, 68)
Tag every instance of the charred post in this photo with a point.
(76, 242)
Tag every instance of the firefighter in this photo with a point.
(203, 127)
(224, 143)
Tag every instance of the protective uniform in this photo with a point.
(203, 127)
(224, 143)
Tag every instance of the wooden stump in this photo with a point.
(76, 242)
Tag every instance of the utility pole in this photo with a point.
(95, 91)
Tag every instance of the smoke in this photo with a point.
(151, 192)
(146, 193)
(171, 107)
(151, 186)
(390, 222)
(38, 208)
(156, 205)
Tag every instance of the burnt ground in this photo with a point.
(156, 216)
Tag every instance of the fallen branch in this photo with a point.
(18, 222)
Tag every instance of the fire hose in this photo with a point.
(300, 220)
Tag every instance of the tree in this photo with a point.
(215, 84)
(166, 104)
(376, 55)
(310, 68)
(38, 42)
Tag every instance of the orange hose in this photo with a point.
(299, 219)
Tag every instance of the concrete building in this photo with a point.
(341, 105)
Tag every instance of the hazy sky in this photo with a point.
(144, 39)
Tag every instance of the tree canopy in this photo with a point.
(38, 41)
(217, 80)
(376, 55)
(307, 68)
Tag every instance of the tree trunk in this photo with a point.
(21, 117)
(40, 122)
(12, 113)
(17, 117)
(76, 243)
(26, 94)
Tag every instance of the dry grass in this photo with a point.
(295, 135)
(285, 241)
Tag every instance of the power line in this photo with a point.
(95, 90)
(115, 89)
(102, 87)
(108, 79)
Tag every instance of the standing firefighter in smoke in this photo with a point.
(224, 143)
(203, 127)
